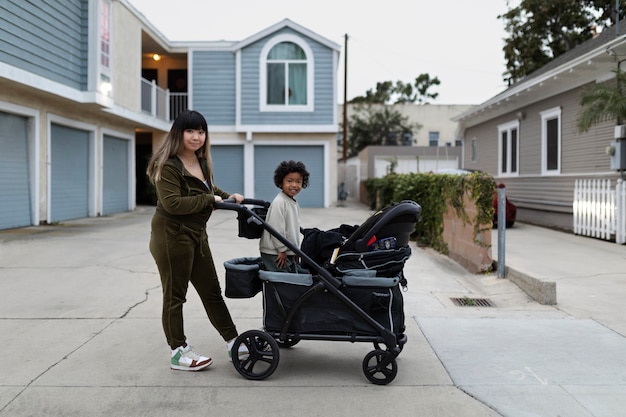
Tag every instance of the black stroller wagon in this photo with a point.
(352, 294)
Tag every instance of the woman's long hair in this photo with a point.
(173, 144)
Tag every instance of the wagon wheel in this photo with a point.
(262, 358)
(291, 341)
(375, 372)
(383, 346)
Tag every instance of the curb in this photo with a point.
(544, 292)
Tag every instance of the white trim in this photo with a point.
(248, 168)
(283, 24)
(287, 128)
(93, 49)
(93, 158)
(550, 114)
(190, 73)
(238, 88)
(51, 87)
(33, 135)
(310, 66)
(508, 127)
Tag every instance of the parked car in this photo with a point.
(510, 210)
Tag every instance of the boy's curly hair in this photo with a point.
(287, 167)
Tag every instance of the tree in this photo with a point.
(540, 31)
(603, 102)
(378, 125)
(381, 95)
(400, 93)
(416, 92)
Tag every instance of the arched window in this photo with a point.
(286, 75)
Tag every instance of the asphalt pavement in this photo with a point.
(80, 307)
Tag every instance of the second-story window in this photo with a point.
(433, 138)
(105, 33)
(104, 63)
(286, 75)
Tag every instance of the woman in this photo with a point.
(181, 171)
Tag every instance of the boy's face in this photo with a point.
(292, 184)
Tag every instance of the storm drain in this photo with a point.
(472, 302)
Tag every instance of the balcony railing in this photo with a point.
(160, 103)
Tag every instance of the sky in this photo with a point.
(458, 41)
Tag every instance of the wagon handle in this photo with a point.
(230, 204)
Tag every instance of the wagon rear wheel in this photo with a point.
(374, 369)
(262, 358)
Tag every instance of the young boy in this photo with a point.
(284, 216)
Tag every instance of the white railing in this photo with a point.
(178, 104)
(600, 210)
(620, 214)
(161, 103)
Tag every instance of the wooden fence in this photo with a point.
(600, 209)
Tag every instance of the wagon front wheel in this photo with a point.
(376, 371)
(262, 358)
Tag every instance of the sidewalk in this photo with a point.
(80, 318)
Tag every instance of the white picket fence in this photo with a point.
(600, 209)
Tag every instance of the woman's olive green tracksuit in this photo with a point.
(180, 247)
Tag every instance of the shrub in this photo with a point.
(435, 193)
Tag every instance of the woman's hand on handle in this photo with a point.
(237, 197)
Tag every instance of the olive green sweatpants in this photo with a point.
(182, 256)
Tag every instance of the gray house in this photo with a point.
(527, 136)
(89, 87)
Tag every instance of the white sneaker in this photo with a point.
(185, 359)
(242, 351)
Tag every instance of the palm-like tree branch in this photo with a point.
(601, 103)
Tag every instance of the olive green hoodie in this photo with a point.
(184, 198)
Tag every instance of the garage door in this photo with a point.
(267, 158)
(115, 192)
(228, 167)
(15, 204)
(69, 173)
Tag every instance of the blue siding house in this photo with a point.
(89, 87)
(267, 98)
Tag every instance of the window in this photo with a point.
(551, 141)
(286, 75)
(474, 150)
(508, 148)
(433, 138)
(104, 64)
(105, 33)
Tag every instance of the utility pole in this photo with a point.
(344, 133)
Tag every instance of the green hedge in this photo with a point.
(434, 193)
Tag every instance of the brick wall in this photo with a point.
(460, 240)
